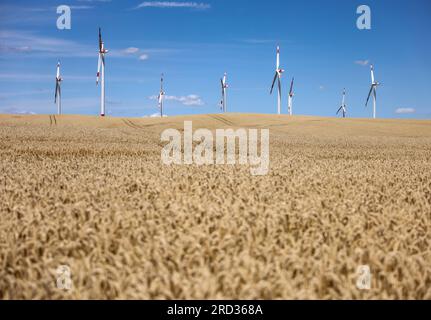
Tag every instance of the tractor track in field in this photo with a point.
(131, 124)
(232, 124)
(222, 120)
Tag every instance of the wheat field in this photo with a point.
(91, 193)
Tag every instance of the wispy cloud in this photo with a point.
(46, 105)
(48, 78)
(29, 42)
(81, 7)
(131, 50)
(15, 110)
(362, 62)
(405, 110)
(94, 0)
(4, 95)
(13, 42)
(259, 41)
(173, 4)
(34, 14)
(190, 100)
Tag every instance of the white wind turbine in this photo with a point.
(101, 73)
(161, 96)
(224, 87)
(277, 77)
(290, 98)
(58, 80)
(343, 105)
(373, 90)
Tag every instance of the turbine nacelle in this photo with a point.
(343, 105)
(103, 49)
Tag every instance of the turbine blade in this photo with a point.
(278, 58)
(273, 83)
(279, 86)
(98, 68)
(369, 94)
(100, 40)
(339, 110)
(291, 87)
(56, 91)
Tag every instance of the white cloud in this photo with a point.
(190, 100)
(155, 115)
(173, 4)
(405, 110)
(143, 57)
(131, 50)
(362, 62)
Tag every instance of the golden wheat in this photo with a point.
(93, 194)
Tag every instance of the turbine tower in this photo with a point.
(58, 80)
(161, 96)
(101, 73)
(224, 87)
(373, 90)
(277, 77)
(290, 98)
(343, 105)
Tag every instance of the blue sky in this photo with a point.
(195, 44)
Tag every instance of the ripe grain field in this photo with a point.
(92, 194)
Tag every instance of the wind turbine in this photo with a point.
(224, 87)
(101, 73)
(343, 105)
(373, 90)
(278, 73)
(290, 98)
(161, 96)
(58, 80)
